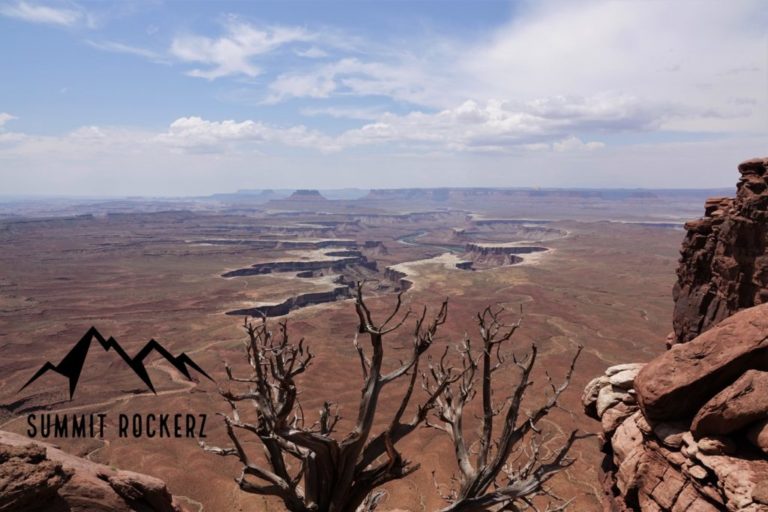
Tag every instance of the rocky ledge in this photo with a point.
(36, 476)
(688, 431)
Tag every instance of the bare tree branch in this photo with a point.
(328, 474)
(479, 484)
(309, 468)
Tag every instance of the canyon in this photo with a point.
(585, 269)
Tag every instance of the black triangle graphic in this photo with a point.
(72, 365)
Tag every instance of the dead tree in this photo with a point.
(310, 469)
(305, 465)
(505, 471)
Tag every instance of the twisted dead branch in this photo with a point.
(311, 468)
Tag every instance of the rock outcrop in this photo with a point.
(36, 476)
(688, 431)
(683, 462)
(681, 380)
(724, 264)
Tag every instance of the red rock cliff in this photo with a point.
(688, 431)
(724, 263)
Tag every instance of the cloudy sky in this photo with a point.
(185, 98)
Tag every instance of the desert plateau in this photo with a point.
(187, 277)
(383, 256)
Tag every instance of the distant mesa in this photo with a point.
(255, 196)
(306, 195)
(505, 194)
(407, 194)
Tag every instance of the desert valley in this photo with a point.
(383, 256)
(591, 268)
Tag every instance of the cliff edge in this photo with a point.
(724, 256)
(688, 431)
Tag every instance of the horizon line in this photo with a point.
(247, 191)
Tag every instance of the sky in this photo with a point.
(172, 98)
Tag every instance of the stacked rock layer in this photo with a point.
(724, 263)
(688, 431)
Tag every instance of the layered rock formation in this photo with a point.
(330, 261)
(36, 476)
(688, 431)
(724, 264)
(499, 254)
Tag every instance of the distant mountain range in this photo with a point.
(448, 193)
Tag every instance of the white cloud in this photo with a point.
(42, 14)
(551, 87)
(196, 134)
(195, 131)
(90, 133)
(494, 126)
(581, 49)
(117, 47)
(363, 113)
(232, 53)
(470, 127)
(5, 117)
(316, 85)
(312, 53)
(5, 136)
(565, 52)
(137, 163)
(401, 81)
(506, 126)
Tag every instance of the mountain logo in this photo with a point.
(72, 365)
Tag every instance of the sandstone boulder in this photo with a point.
(608, 397)
(676, 384)
(615, 416)
(38, 477)
(27, 478)
(686, 449)
(625, 378)
(740, 404)
(620, 368)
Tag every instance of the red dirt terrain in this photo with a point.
(137, 276)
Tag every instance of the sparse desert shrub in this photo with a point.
(310, 468)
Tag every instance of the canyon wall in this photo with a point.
(688, 431)
(724, 263)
